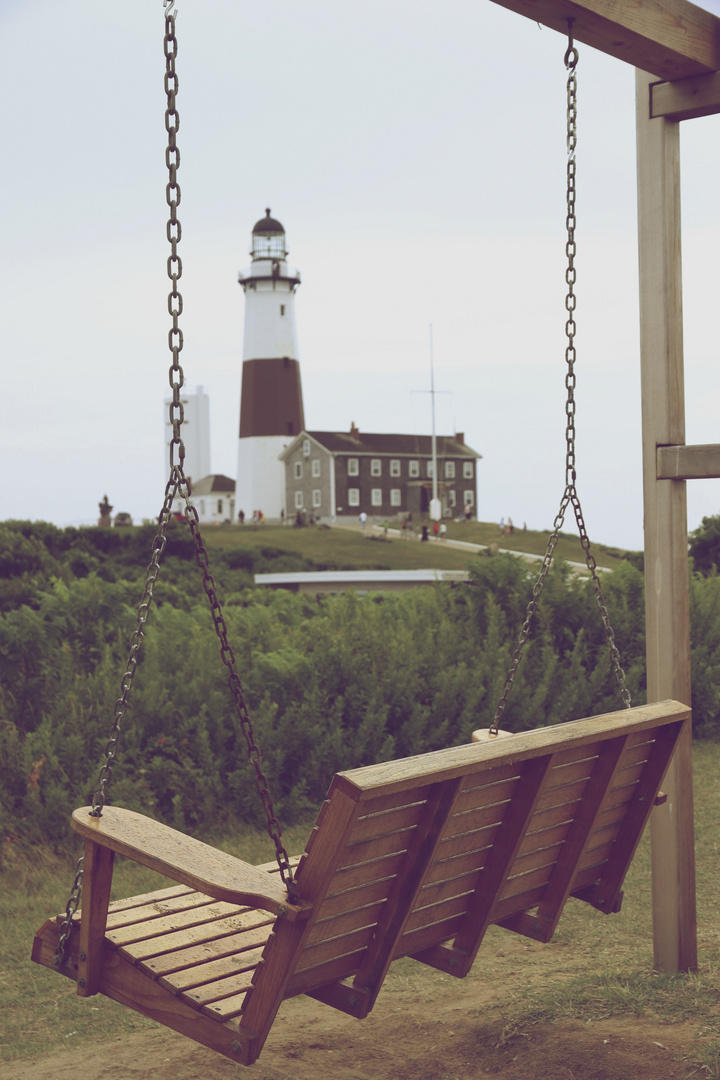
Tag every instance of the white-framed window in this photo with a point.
(353, 467)
(468, 498)
(298, 500)
(395, 497)
(452, 497)
(316, 467)
(306, 448)
(220, 505)
(449, 470)
(298, 470)
(353, 496)
(467, 470)
(375, 466)
(430, 469)
(282, 309)
(316, 498)
(413, 468)
(376, 497)
(395, 467)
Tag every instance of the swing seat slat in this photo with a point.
(408, 858)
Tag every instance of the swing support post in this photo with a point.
(667, 616)
(674, 46)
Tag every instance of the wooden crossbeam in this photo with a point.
(685, 99)
(672, 39)
(688, 462)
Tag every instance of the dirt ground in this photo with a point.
(418, 1031)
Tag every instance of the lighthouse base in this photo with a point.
(261, 477)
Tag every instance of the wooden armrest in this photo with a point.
(187, 860)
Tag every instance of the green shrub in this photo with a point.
(330, 683)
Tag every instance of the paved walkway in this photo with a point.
(464, 544)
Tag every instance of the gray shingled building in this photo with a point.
(330, 474)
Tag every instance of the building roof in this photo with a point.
(356, 443)
(359, 580)
(215, 483)
(268, 224)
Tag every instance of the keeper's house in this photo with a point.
(214, 499)
(335, 474)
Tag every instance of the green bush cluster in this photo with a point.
(331, 683)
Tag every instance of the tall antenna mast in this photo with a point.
(435, 507)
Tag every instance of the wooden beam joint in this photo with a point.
(686, 99)
(670, 39)
(700, 462)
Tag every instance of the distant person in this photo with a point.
(363, 520)
(241, 517)
(424, 533)
(436, 529)
(443, 530)
(468, 511)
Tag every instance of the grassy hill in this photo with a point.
(346, 547)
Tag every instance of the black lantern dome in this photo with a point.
(268, 239)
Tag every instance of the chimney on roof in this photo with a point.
(354, 432)
(460, 437)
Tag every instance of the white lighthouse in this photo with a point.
(271, 407)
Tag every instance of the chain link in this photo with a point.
(570, 495)
(178, 485)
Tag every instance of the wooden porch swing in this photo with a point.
(415, 858)
(408, 858)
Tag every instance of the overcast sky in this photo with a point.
(415, 153)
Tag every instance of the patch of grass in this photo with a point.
(347, 548)
(707, 1057)
(534, 542)
(670, 997)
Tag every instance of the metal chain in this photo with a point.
(177, 485)
(70, 909)
(174, 234)
(228, 658)
(570, 495)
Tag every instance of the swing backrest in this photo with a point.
(418, 857)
